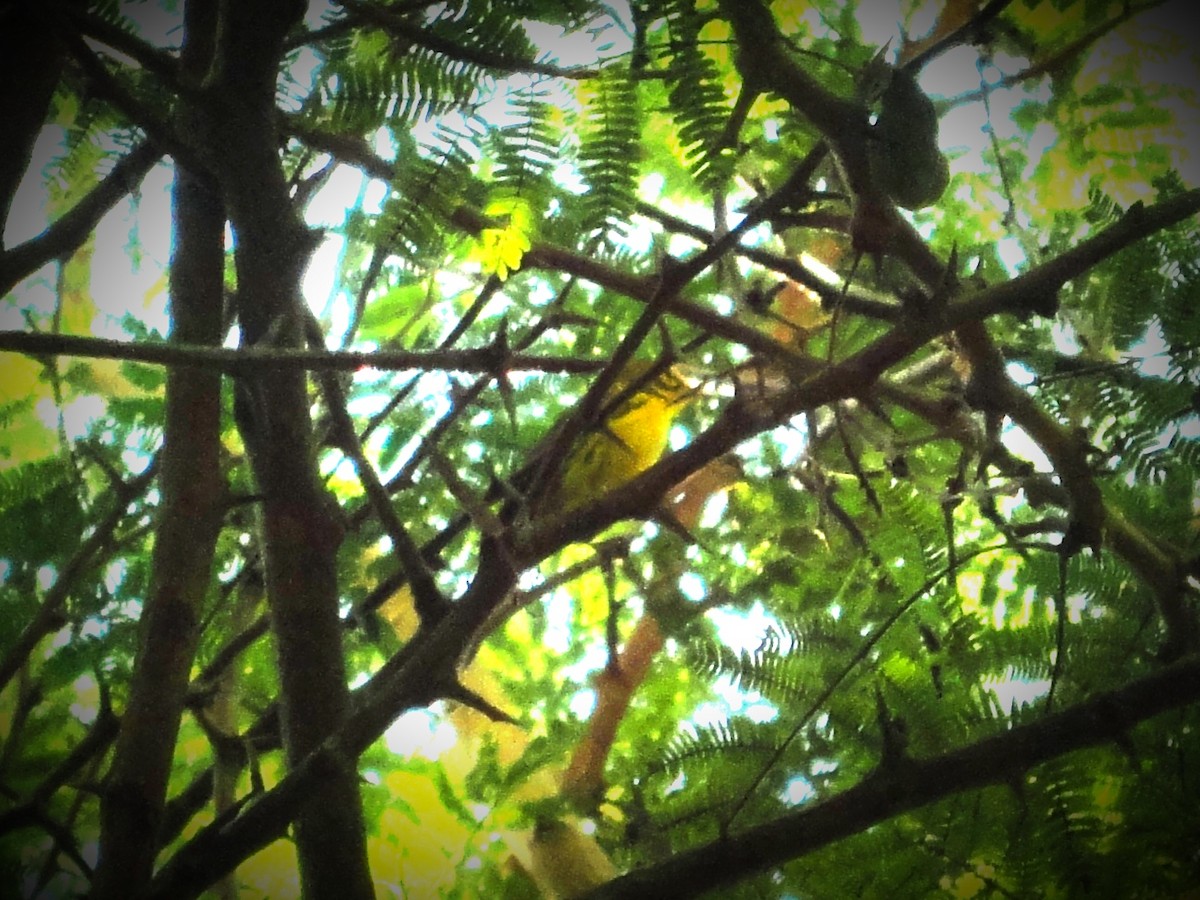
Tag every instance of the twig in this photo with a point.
(160, 131)
(248, 360)
(429, 601)
(857, 302)
(1062, 57)
(548, 256)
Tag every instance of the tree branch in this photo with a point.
(237, 125)
(141, 115)
(1060, 58)
(551, 257)
(412, 677)
(1033, 292)
(1020, 296)
(763, 59)
(186, 529)
(1093, 522)
(428, 598)
(94, 744)
(146, 55)
(852, 376)
(31, 62)
(999, 759)
(246, 361)
(70, 229)
(993, 760)
(850, 301)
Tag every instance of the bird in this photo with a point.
(634, 428)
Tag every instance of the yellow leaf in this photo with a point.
(715, 41)
(400, 612)
(565, 862)
(155, 291)
(900, 669)
(1047, 18)
(20, 377)
(26, 437)
(967, 885)
(502, 249)
(68, 109)
(387, 872)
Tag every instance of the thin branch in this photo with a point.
(461, 327)
(146, 55)
(856, 302)
(249, 360)
(428, 599)
(336, 29)
(429, 552)
(1059, 58)
(70, 229)
(839, 679)
(28, 695)
(551, 257)
(643, 287)
(464, 695)
(967, 31)
(763, 59)
(102, 733)
(859, 372)
(475, 505)
(106, 85)
(1035, 292)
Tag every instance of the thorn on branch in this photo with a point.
(476, 507)
(464, 695)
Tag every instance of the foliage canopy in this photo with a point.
(908, 609)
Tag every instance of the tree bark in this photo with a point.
(301, 530)
(31, 57)
(189, 520)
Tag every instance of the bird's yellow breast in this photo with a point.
(631, 439)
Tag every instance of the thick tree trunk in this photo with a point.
(189, 520)
(301, 531)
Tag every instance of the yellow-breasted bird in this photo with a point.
(638, 412)
(629, 440)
